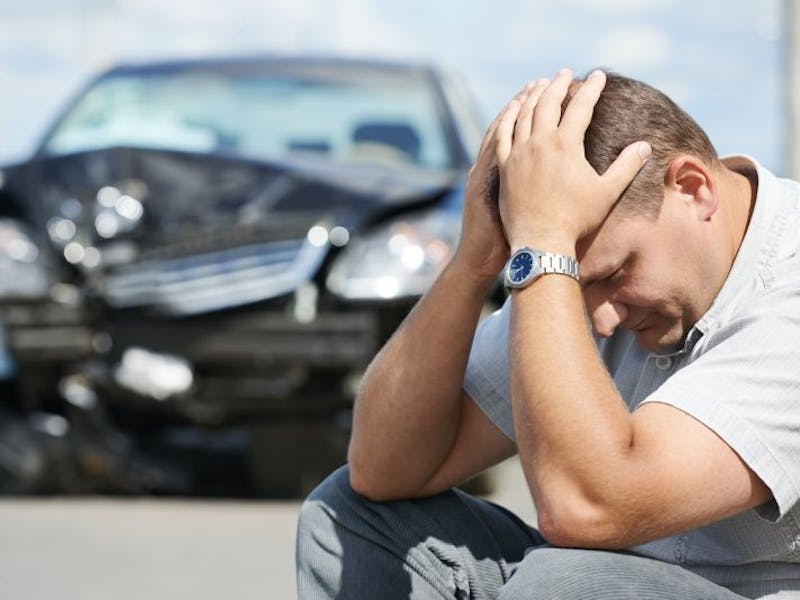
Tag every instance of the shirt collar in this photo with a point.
(752, 269)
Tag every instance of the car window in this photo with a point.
(384, 119)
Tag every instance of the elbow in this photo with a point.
(361, 480)
(364, 476)
(364, 485)
(580, 523)
(372, 482)
(366, 482)
(374, 490)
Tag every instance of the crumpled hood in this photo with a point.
(184, 193)
(207, 233)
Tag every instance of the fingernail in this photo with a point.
(644, 150)
(596, 73)
(565, 71)
(543, 81)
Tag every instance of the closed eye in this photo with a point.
(604, 277)
(615, 276)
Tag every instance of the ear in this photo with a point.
(691, 179)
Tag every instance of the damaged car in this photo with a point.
(202, 257)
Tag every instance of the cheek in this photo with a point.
(652, 292)
(641, 287)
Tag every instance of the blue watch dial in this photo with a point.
(520, 267)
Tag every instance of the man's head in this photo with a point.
(659, 259)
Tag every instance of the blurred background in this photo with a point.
(722, 61)
(212, 216)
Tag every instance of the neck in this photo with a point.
(738, 189)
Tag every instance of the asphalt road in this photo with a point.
(125, 549)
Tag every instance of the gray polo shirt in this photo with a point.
(738, 373)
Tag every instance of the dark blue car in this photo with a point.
(217, 248)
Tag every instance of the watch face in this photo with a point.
(520, 267)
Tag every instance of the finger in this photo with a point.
(489, 135)
(522, 130)
(536, 93)
(548, 110)
(580, 109)
(526, 110)
(622, 171)
(505, 131)
(520, 96)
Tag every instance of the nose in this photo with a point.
(604, 313)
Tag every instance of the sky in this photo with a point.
(721, 60)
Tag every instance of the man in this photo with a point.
(666, 465)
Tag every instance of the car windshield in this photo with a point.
(388, 119)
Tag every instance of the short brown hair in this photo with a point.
(628, 111)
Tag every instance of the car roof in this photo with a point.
(329, 65)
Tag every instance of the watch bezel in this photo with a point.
(533, 274)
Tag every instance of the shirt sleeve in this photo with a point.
(746, 388)
(486, 377)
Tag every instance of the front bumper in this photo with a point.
(243, 364)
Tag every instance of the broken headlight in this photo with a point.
(400, 259)
(23, 272)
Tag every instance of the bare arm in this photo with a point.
(412, 420)
(411, 407)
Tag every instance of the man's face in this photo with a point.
(643, 275)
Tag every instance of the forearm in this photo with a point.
(573, 430)
(407, 410)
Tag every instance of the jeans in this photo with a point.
(456, 546)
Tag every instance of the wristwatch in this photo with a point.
(526, 265)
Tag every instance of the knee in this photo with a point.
(333, 486)
(316, 522)
(547, 573)
(319, 551)
(326, 500)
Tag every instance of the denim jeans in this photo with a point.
(456, 546)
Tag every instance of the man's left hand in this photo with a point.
(550, 196)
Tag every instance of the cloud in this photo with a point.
(634, 47)
(343, 27)
(624, 5)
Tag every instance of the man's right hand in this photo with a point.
(483, 250)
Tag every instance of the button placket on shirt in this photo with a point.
(657, 369)
(663, 363)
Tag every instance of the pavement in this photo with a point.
(66, 548)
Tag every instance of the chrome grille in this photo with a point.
(215, 280)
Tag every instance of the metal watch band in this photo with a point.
(559, 263)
